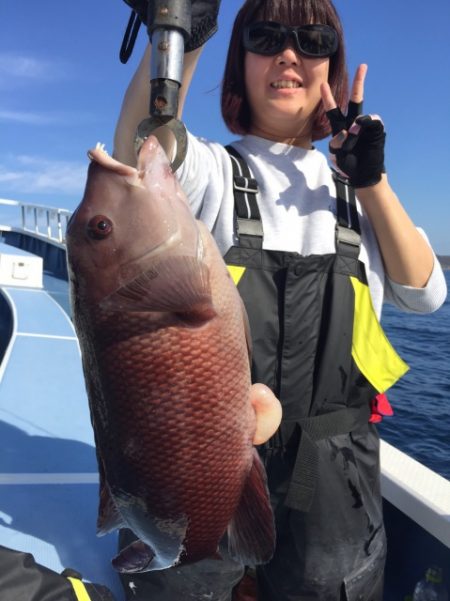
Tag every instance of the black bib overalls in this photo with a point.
(318, 345)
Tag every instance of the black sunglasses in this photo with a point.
(270, 38)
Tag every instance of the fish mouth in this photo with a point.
(134, 176)
(100, 156)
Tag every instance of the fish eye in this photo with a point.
(99, 227)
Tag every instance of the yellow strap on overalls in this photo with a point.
(79, 588)
(236, 272)
(372, 352)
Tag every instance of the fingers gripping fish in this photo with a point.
(165, 356)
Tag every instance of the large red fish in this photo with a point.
(165, 355)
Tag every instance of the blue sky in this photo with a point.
(61, 86)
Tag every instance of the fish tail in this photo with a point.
(251, 532)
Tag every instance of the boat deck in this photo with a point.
(48, 470)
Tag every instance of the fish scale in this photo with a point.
(180, 399)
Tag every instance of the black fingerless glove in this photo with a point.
(361, 156)
(204, 19)
(139, 7)
(204, 23)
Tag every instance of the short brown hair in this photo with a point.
(235, 107)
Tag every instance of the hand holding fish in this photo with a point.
(268, 412)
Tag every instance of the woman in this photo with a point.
(313, 267)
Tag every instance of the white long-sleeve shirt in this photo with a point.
(297, 202)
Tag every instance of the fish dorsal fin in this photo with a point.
(176, 284)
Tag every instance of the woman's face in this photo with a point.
(283, 92)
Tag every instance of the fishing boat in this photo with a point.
(48, 469)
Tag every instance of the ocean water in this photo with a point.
(420, 425)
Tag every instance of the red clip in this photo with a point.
(380, 407)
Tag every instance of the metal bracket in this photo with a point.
(150, 125)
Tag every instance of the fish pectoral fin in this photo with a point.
(251, 532)
(175, 284)
(134, 558)
(197, 314)
(109, 518)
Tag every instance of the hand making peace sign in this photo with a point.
(358, 140)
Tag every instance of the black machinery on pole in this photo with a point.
(169, 27)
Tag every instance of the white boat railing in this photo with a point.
(417, 491)
(45, 222)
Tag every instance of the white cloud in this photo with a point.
(22, 66)
(18, 69)
(29, 118)
(65, 118)
(31, 174)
